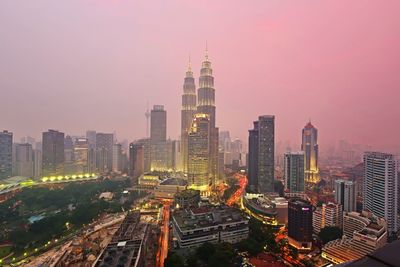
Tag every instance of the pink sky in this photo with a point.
(75, 65)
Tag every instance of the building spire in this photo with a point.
(190, 65)
(206, 51)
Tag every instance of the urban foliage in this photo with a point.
(330, 233)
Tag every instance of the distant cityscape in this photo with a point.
(203, 200)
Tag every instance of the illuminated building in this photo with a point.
(81, 155)
(189, 108)
(300, 223)
(261, 155)
(53, 153)
(24, 160)
(158, 138)
(136, 161)
(380, 187)
(104, 152)
(206, 105)
(6, 154)
(294, 171)
(330, 214)
(199, 152)
(346, 194)
(309, 146)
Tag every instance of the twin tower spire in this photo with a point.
(203, 102)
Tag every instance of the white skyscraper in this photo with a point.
(380, 187)
(346, 194)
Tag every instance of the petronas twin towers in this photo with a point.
(199, 135)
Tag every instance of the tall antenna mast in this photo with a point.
(147, 114)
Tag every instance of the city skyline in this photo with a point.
(272, 65)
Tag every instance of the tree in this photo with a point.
(205, 251)
(330, 233)
(173, 260)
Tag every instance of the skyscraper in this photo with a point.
(262, 155)
(310, 147)
(104, 152)
(189, 108)
(24, 160)
(158, 138)
(136, 161)
(294, 172)
(53, 153)
(117, 158)
(199, 153)
(300, 223)
(380, 187)
(206, 105)
(253, 159)
(6, 154)
(346, 194)
(81, 156)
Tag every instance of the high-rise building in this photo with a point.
(117, 158)
(294, 172)
(136, 161)
(145, 142)
(104, 152)
(206, 105)
(91, 138)
(199, 153)
(158, 138)
(261, 155)
(69, 167)
(53, 153)
(300, 223)
(330, 214)
(37, 163)
(189, 108)
(380, 187)
(81, 156)
(6, 145)
(310, 147)
(346, 194)
(24, 160)
(252, 164)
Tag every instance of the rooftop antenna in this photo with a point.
(147, 115)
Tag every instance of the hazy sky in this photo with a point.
(74, 65)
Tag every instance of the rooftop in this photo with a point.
(188, 219)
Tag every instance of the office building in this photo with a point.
(196, 226)
(189, 108)
(104, 152)
(117, 158)
(206, 105)
(69, 167)
(6, 152)
(52, 153)
(81, 156)
(327, 215)
(37, 163)
(136, 161)
(145, 142)
(158, 138)
(380, 187)
(309, 146)
(24, 160)
(346, 194)
(294, 171)
(300, 224)
(199, 153)
(91, 139)
(261, 155)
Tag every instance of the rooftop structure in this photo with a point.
(125, 248)
(195, 226)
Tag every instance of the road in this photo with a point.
(239, 193)
(164, 237)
